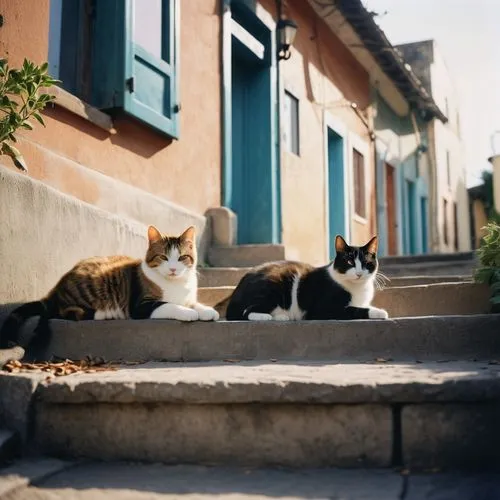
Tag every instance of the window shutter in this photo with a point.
(151, 63)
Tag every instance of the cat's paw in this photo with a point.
(187, 315)
(376, 313)
(259, 317)
(281, 317)
(208, 314)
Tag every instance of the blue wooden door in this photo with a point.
(411, 212)
(336, 191)
(253, 188)
(423, 218)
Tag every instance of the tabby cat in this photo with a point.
(292, 291)
(162, 286)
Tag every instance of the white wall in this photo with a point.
(449, 142)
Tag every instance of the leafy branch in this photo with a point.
(489, 257)
(20, 101)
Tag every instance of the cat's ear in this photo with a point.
(340, 244)
(153, 234)
(372, 245)
(189, 234)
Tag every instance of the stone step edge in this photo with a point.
(203, 341)
(441, 284)
(278, 383)
(29, 471)
(471, 298)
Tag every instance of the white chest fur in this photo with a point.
(362, 291)
(181, 291)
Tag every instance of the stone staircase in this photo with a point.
(418, 391)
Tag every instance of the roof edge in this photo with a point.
(389, 58)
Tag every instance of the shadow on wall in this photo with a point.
(130, 134)
(138, 138)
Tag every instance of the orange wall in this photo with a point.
(185, 171)
(322, 73)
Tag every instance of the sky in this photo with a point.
(467, 33)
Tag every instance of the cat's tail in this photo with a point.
(10, 347)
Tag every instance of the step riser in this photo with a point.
(277, 435)
(435, 300)
(289, 435)
(426, 300)
(453, 337)
(212, 277)
(434, 269)
(399, 281)
(429, 258)
(244, 255)
(451, 435)
(220, 276)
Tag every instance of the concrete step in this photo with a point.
(424, 338)
(230, 276)
(438, 268)
(126, 481)
(312, 414)
(426, 258)
(10, 445)
(17, 477)
(220, 276)
(421, 300)
(244, 255)
(426, 280)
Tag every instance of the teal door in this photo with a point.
(252, 149)
(251, 182)
(336, 192)
(411, 237)
(423, 227)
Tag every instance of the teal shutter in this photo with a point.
(151, 92)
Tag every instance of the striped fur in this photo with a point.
(164, 286)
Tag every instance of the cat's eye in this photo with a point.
(350, 262)
(184, 258)
(163, 257)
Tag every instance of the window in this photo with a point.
(448, 169)
(291, 124)
(120, 55)
(358, 163)
(445, 222)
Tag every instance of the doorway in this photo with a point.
(251, 180)
(410, 217)
(336, 189)
(424, 215)
(392, 242)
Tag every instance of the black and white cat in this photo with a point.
(293, 291)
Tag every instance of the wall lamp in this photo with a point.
(287, 29)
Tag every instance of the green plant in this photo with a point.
(487, 189)
(489, 257)
(20, 100)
